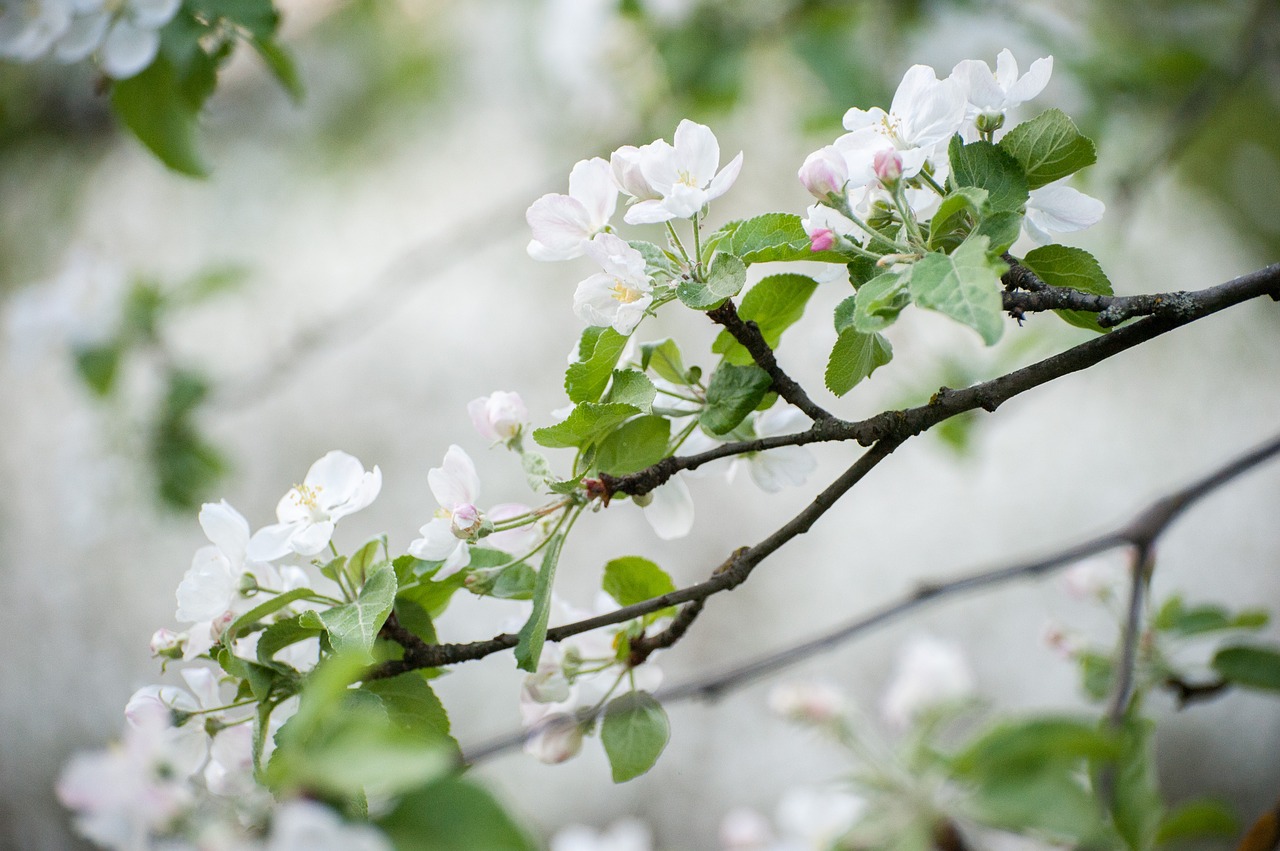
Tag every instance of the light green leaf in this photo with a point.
(516, 582)
(353, 627)
(280, 635)
(964, 285)
(472, 820)
(1251, 666)
(734, 392)
(534, 633)
(1003, 229)
(260, 679)
(1074, 268)
(412, 705)
(854, 357)
(537, 470)
(632, 387)
(634, 733)
(434, 596)
(775, 304)
(260, 611)
(986, 166)
(98, 365)
(1020, 745)
(723, 280)
(775, 237)
(632, 579)
(957, 215)
(586, 380)
(877, 303)
(1049, 147)
(637, 444)
(1136, 805)
(361, 563)
(655, 259)
(663, 357)
(586, 424)
(154, 107)
(1196, 820)
(1176, 618)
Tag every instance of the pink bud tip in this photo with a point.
(822, 240)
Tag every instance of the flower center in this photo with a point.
(624, 293)
(687, 179)
(307, 495)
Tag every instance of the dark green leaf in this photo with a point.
(957, 215)
(964, 285)
(411, 704)
(1049, 147)
(516, 582)
(153, 106)
(734, 392)
(986, 166)
(877, 303)
(723, 280)
(453, 815)
(1250, 666)
(775, 304)
(280, 635)
(534, 633)
(637, 444)
(434, 596)
(586, 380)
(416, 619)
(1074, 268)
(854, 357)
(634, 733)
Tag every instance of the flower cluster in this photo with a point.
(123, 36)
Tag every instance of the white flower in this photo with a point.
(29, 27)
(825, 226)
(625, 835)
(517, 540)
(619, 295)
(930, 672)
(229, 772)
(301, 825)
(995, 94)
(1057, 208)
(925, 113)
(818, 817)
(80, 307)
(1092, 579)
(563, 224)
(211, 585)
(456, 486)
(785, 466)
(498, 416)
(670, 509)
(335, 486)
(625, 165)
(125, 35)
(810, 702)
(683, 175)
(744, 829)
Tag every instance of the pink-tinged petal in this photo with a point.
(722, 181)
(454, 482)
(226, 529)
(647, 213)
(822, 240)
(824, 172)
(515, 540)
(150, 704)
(478, 411)
(671, 511)
(591, 184)
(312, 538)
(127, 49)
(1032, 83)
(560, 225)
(437, 542)
(697, 152)
(272, 542)
(625, 165)
(334, 478)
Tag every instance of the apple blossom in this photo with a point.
(990, 95)
(773, 469)
(125, 35)
(28, 28)
(817, 818)
(335, 486)
(1057, 208)
(499, 416)
(455, 485)
(618, 296)
(167, 643)
(563, 225)
(930, 672)
(669, 510)
(1092, 579)
(744, 829)
(809, 702)
(824, 173)
(826, 227)
(625, 835)
(683, 175)
(302, 825)
(625, 166)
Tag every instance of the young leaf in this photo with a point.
(154, 107)
(1197, 819)
(957, 215)
(585, 380)
(655, 259)
(985, 166)
(632, 387)
(877, 303)
(587, 424)
(854, 357)
(280, 635)
(1075, 268)
(1049, 147)
(1136, 805)
(634, 732)
(734, 392)
(534, 633)
(98, 365)
(775, 304)
(1250, 666)
(452, 815)
(260, 611)
(663, 357)
(632, 579)
(775, 237)
(412, 705)
(353, 627)
(637, 444)
(964, 285)
(723, 280)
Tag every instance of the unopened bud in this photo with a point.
(888, 167)
(168, 644)
(824, 173)
(822, 239)
(559, 738)
(990, 122)
(466, 522)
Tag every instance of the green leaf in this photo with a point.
(416, 619)
(723, 280)
(734, 392)
(537, 470)
(1198, 819)
(1052, 801)
(1049, 147)
(775, 304)
(353, 627)
(1023, 745)
(957, 215)
(534, 633)
(434, 596)
(986, 166)
(154, 107)
(1003, 229)
(1096, 671)
(259, 17)
(453, 815)
(517, 582)
(877, 303)
(586, 424)
(854, 357)
(280, 635)
(1250, 666)
(663, 357)
(281, 65)
(635, 445)
(412, 705)
(634, 733)
(1176, 618)
(1136, 805)
(775, 237)
(964, 285)
(1074, 268)
(362, 562)
(632, 579)
(655, 259)
(260, 611)
(632, 387)
(586, 380)
(98, 365)
(261, 679)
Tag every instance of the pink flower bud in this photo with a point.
(822, 239)
(167, 643)
(824, 173)
(498, 416)
(809, 702)
(558, 738)
(466, 521)
(888, 166)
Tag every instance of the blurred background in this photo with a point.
(354, 272)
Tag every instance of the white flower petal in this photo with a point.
(312, 538)
(647, 213)
(1032, 82)
(561, 226)
(671, 511)
(591, 184)
(272, 542)
(208, 587)
(437, 542)
(455, 482)
(127, 49)
(81, 38)
(697, 152)
(226, 529)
